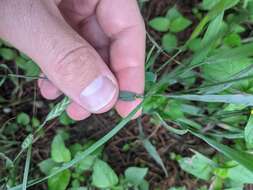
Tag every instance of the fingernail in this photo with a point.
(98, 94)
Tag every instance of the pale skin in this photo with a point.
(88, 50)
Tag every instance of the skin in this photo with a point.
(76, 41)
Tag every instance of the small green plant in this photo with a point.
(101, 175)
(172, 23)
(204, 89)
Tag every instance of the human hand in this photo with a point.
(88, 49)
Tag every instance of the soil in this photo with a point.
(97, 126)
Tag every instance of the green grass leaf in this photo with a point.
(240, 157)
(220, 7)
(103, 175)
(233, 98)
(154, 154)
(160, 24)
(248, 132)
(27, 166)
(88, 151)
(169, 128)
(243, 51)
(128, 96)
(213, 30)
(59, 152)
(27, 142)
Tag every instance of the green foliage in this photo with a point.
(233, 40)
(169, 42)
(127, 96)
(177, 188)
(248, 132)
(160, 24)
(239, 174)
(198, 165)
(35, 122)
(203, 89)
(47, 165)
(23, 119)
(172, 22)
(173, 13)
(135, 175)
(208, 4)
(59, 152)
(179, 24)
(103, 176)
(65, 119)
(8, 54)
(150, 148)
(59, 181)
(27, 65)
(225, 69)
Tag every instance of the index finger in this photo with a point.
(123, 24)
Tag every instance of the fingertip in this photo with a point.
(125, 108)
(76, 112)
(48, 90)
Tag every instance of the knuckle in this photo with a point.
(75, 65)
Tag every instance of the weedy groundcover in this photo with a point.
(203, 88)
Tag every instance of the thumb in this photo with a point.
(38, 29)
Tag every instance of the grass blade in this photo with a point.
(151, 149)
(242, 158)
(169, 128)
(232, 98)
(87, 152)
(248, 132)
(216, 10)
(154, 154)
(27, 166)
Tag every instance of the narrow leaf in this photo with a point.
(88, 151)
(154, 154)
(248, 132)
(233, 98)
(242, 158)
(27, 166)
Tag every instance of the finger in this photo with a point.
(47, 89)
(68, 60)
(91, 30)
(84, 20)
(76, 112)
(122, 22)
